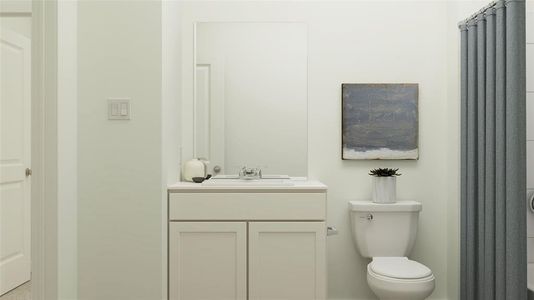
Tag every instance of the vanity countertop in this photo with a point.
(299, 185)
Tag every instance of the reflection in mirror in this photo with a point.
(251, 97)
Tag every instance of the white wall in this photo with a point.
(120, 183)
(67, 120)
(171, 91)
(367, 41)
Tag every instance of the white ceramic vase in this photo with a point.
(195, 167)
(385, 189)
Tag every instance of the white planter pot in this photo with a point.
(385, 189)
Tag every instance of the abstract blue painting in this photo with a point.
(380, 121)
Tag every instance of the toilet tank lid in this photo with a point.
(399, 206)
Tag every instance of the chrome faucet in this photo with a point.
(250, 173)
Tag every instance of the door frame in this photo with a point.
(54, 131)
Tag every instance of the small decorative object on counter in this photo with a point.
(196, 167)
(384, 185)
(201, 179)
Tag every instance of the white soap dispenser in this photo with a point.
(195, 167)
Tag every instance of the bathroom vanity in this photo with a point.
(247, 241)
(263, 237)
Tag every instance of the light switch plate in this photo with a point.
(119, 109)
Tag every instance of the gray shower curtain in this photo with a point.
(493, 154)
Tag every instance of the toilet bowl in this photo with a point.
(386, 234)
(398, 278)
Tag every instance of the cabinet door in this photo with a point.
(287, 260)
(207, 260)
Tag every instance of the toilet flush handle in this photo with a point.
(331, 230)
(368, 217)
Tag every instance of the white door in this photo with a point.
(14, 159)
(287, 260)
(208, 261)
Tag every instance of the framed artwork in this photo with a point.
(380, 121)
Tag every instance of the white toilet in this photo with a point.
(386, 233)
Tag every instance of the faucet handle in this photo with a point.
(250, 173)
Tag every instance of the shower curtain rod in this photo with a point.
(483, 9)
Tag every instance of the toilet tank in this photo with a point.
(384, 229)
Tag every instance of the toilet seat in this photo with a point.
(388, 288)
(399, 278)
(400, 268)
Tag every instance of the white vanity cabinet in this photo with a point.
(287, 260)
(207, 260)
(247, 243)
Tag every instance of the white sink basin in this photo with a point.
(243, 182)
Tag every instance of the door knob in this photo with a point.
(216, 169)
(28, 172)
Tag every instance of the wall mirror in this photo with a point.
(251, 97)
